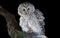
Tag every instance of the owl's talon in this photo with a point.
(30, 30)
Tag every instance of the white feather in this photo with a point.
(31, 20)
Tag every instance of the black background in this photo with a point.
(12, 5)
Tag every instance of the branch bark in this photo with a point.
(10, 19)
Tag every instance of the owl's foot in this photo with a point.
(30, 30)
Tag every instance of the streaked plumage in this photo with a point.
(31, 20)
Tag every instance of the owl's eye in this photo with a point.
(23, 9)
(28, 8)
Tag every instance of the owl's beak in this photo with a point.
(27, 12)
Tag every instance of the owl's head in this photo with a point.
(26, 8)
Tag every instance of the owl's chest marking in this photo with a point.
(31, 22)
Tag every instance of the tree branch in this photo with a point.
(10, 19)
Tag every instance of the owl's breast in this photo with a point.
(32, 20)
(34, 25)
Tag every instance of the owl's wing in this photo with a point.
(40, 18)
(39, 15)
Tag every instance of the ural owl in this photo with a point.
(31, 20)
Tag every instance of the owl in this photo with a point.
(31, 19)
